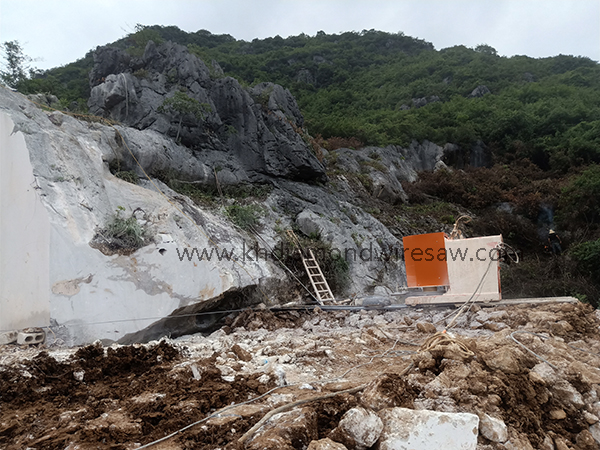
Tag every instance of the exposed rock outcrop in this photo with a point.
(478, 155)
(423, 101)
(480, 91)
(253, 133)
(92, 293)
(98, 296)
(382, 170)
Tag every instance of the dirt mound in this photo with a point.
(521, 403)
(109, 397)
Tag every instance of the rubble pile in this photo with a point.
(507, 377)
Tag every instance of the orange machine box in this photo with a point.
(425, 260)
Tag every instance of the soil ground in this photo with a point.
(123, 397)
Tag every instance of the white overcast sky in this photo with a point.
(57, 32)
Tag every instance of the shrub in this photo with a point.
(128, 175)
(365, 180)
(206, 194)
(122, 235)
(335, 142)
(580, 199)
(587, 256)
(375, 164)
(126, 230)
(336, 270)
(181, 105)
(521, 184)
(516, 230)
(245, 217)
(141, 73)
(137, 41)
(548, 277)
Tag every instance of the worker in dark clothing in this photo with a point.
(554, 242)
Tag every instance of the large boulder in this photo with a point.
(480, 91)
(359, 428)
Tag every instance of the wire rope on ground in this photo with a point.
(512, 336)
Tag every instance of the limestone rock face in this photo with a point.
(97, 296)
(364, 242)
(108, 60)
(382, 170)
(423, 101)
(256, 131)
(480, 91)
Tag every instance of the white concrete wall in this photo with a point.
(24, 237)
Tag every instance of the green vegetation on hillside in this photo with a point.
(517, 200)
(69, 83)
(362, 85)
(355, 85)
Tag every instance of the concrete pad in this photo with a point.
(405, 429)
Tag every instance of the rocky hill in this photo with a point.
(135, 198)
(523, 131)
(247, 133)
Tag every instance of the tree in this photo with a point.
(486, 50)
(14, 68)
(140, 38)
(587, 255)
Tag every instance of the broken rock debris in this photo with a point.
(372, 375)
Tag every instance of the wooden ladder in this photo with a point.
(313, 270)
